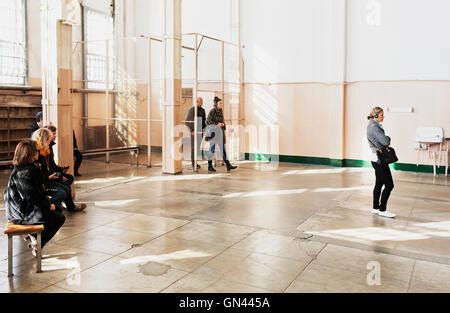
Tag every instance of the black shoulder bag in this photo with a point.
(386, 155)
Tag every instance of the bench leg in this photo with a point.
(39, 253)
(10, 256)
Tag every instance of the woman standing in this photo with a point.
(216, 136)
(25, 199)
(378, 140)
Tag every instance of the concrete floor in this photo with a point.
(294, 229)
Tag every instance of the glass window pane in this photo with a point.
(13, 61)
(99, 37)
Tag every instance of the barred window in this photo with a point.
(13, 56)
(99, 34)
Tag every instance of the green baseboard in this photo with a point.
(405, 167)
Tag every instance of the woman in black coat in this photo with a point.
(215, 134)
(25, 200)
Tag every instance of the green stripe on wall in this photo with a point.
(338, 163)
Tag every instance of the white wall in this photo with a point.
(294, 68)
(398, 59)
(293, 44)
(293, 40)
(209, 17)
(411, 41)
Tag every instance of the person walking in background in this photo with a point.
(38, 123)
(190, 123)
(216, 134)
(378, 140)
(78, 157)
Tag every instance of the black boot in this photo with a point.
(229, 166)
(210, 167)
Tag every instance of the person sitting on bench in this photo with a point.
(60, 191)
(25, 200)
(55, 168)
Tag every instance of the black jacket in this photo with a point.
(53, 167)
(75, 143)
(33, 128)
(25, 199)
(215, 117)
(190, 122)
(43, 164)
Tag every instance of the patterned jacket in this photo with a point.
(215, 117)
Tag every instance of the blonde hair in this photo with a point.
(375, 113)
(42, 137)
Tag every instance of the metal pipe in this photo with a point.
(138, 37)
(84, 75)
(93, 91)
(149, 105)
(223, 70)
(344, 90)
(164, 146)
(10, 256)
(119, 119)
(212, 38)
(107, 101)
(194, 100)
(39, 253)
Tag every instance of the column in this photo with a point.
(56, 47)
(172, 156)
(237, 101)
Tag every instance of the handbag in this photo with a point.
(386, 155)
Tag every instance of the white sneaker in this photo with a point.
(375, 211)
(386, 214)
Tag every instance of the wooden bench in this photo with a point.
(12, 230)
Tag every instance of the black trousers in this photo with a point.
(53, 222)
(78, 159)
(212, 151)
(383, 178)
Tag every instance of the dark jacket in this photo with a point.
(190, 122)
(34, 128)
(215, 117)
(53, 167)
(43, 163)
(25, 199)
(75, 144)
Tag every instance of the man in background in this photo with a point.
(190, 123)
(37, 124)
